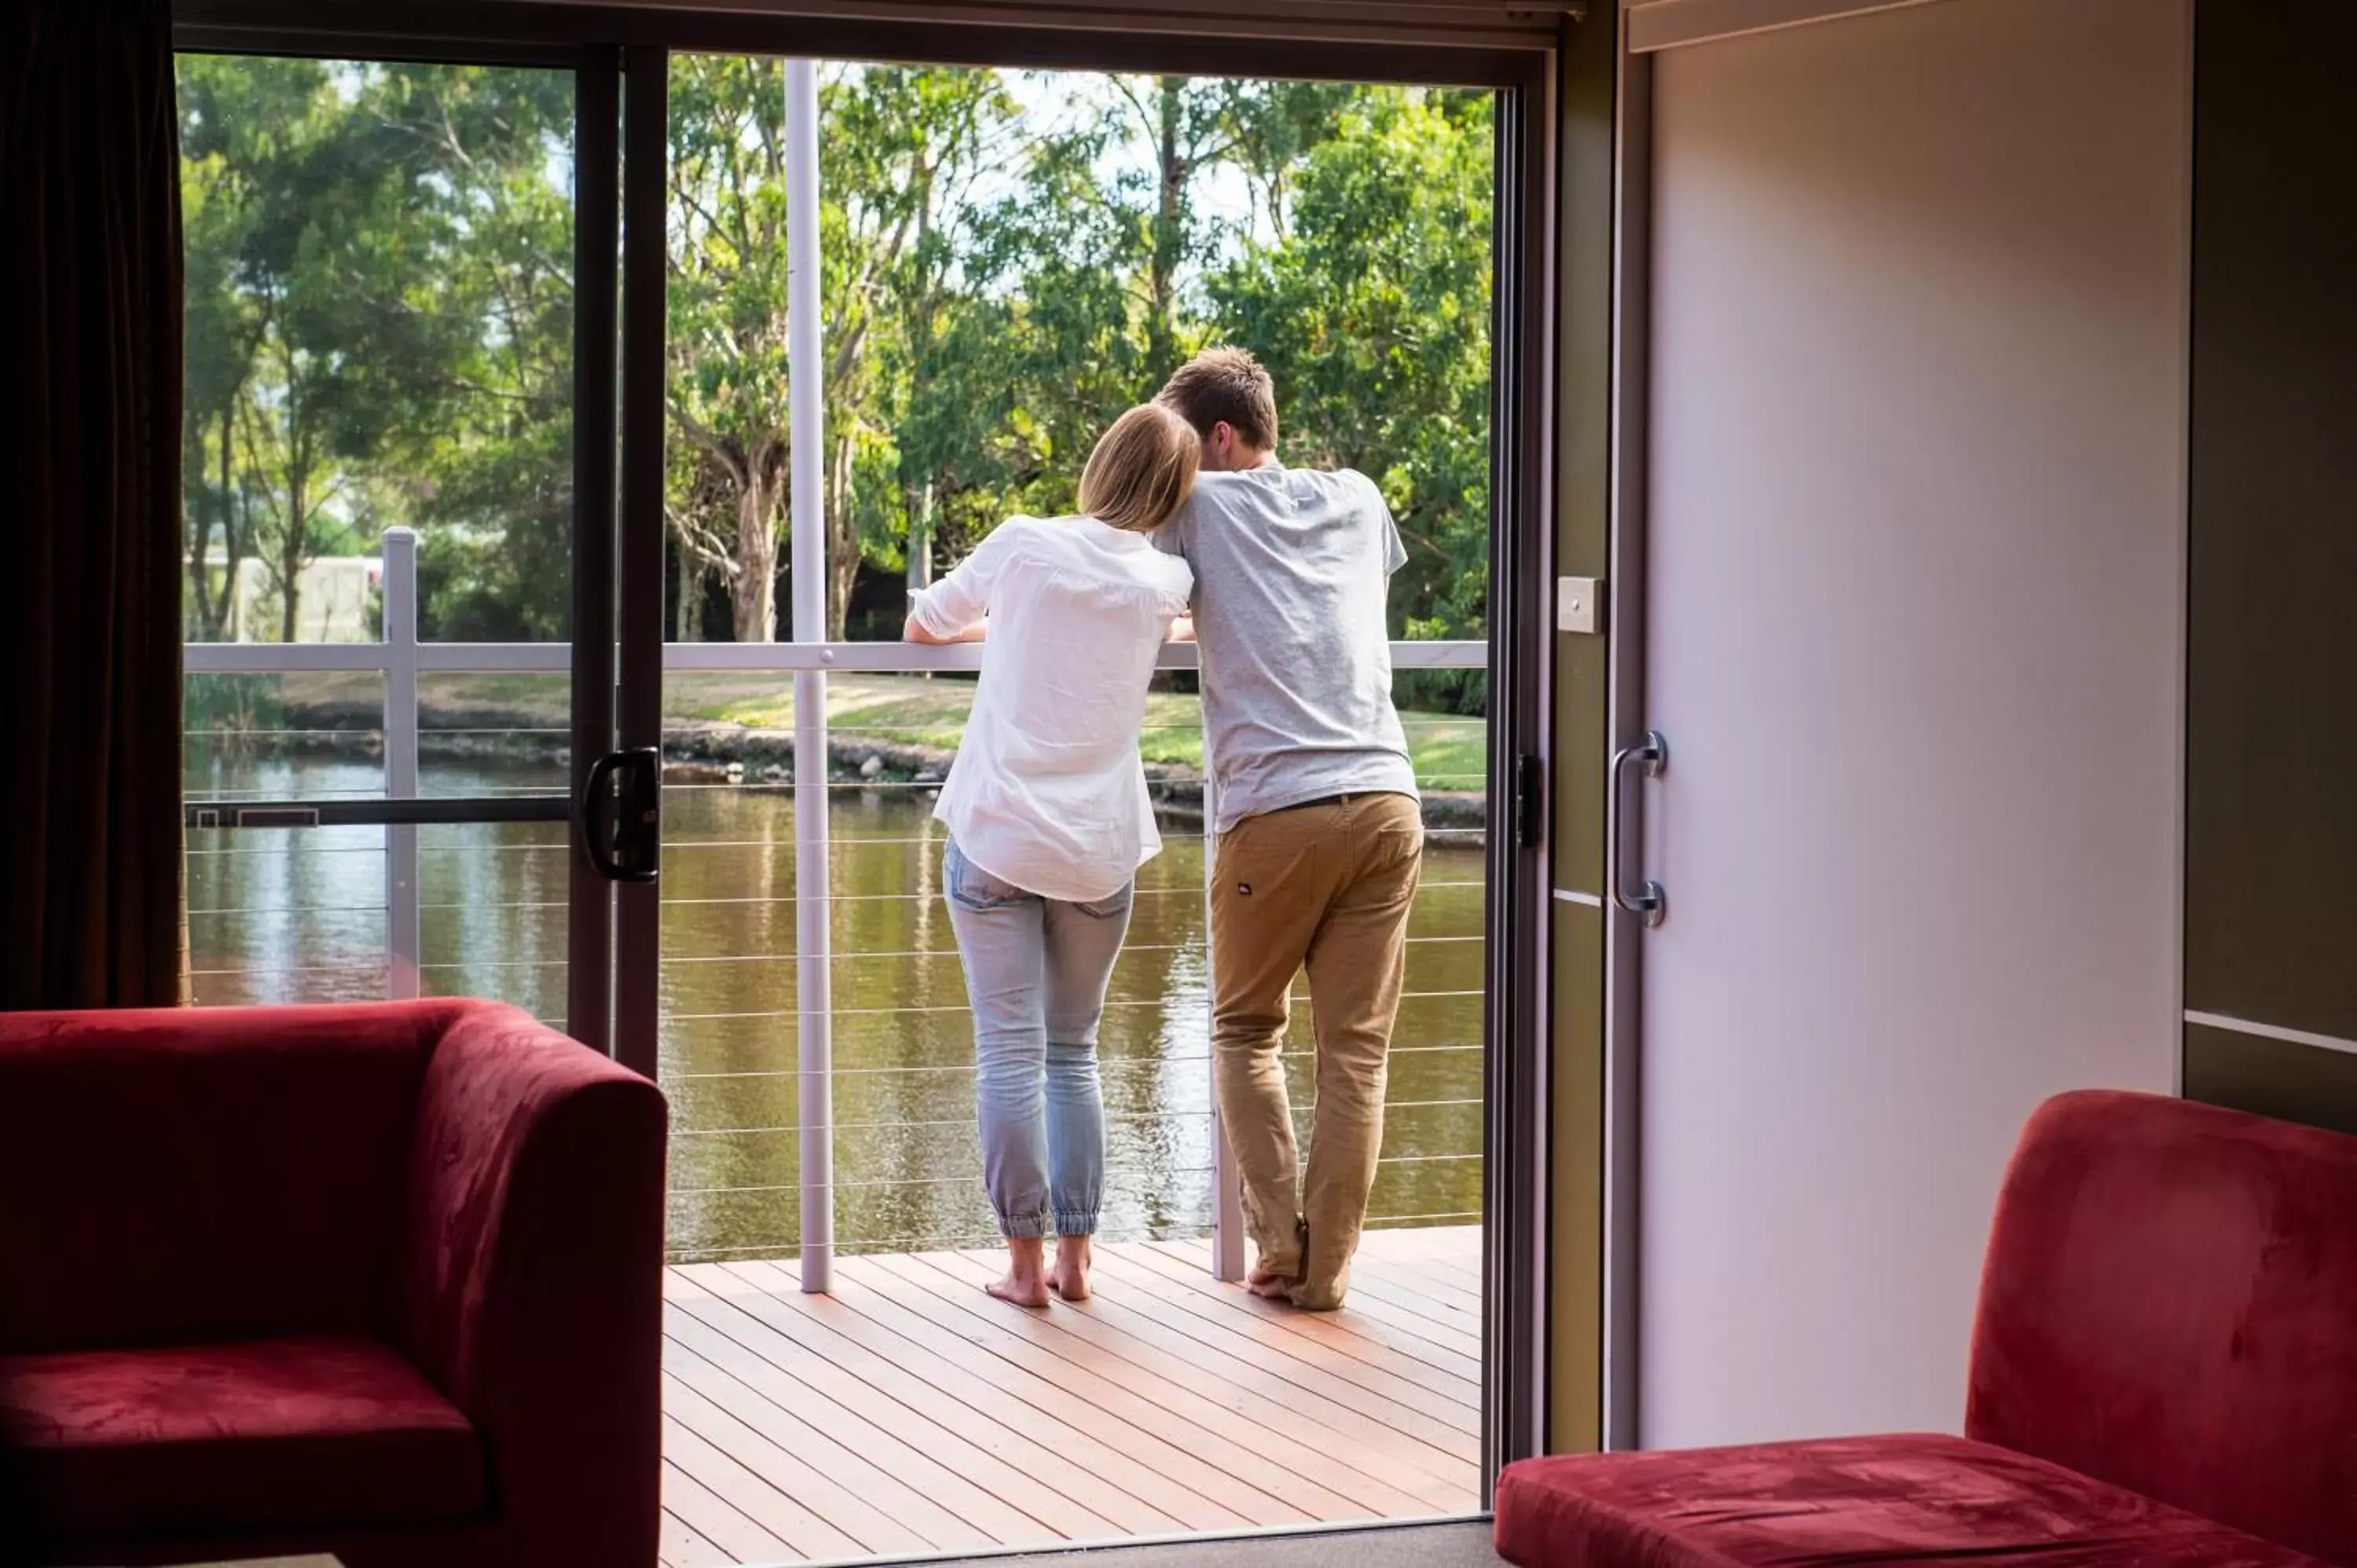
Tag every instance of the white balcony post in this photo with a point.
(404, 932)
(813, 905)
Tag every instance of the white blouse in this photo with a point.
(1048, 792)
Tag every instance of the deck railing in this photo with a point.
(401, 658)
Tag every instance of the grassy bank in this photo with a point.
(888, 710)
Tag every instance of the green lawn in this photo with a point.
(1448, 749)
(910, 710)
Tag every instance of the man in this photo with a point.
(1320, 835)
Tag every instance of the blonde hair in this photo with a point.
(1142, 470)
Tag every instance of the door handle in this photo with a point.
(1647, 901)
(623, 846)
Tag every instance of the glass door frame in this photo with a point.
(1521, 64)
(588, 657)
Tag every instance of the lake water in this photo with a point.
(299, 915)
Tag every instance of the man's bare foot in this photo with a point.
(1025, 1285)
(1071, 1277)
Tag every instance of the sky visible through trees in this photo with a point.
(380, 314)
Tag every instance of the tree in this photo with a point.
(1189, 127)
(369, 307)
(236, 117)
(1372, 314)
(490, 479)
(726, 391)
(897, 143)
(381, 315)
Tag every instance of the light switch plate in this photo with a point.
(1579, 604)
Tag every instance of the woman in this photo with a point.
(1048, 820)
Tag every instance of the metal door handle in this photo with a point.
(623, 847)
(1648, 901)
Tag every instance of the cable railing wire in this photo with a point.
(1103, 1061)
(457, 767)
(1389, 1105)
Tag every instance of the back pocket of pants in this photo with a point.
(1108, 907)
(972, 886)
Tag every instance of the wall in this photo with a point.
(2271, 804)
(1914, 601)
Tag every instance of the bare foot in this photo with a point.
(1071, 1277)
(1024, 1284)
(1032, 1293)
(1269, 1286)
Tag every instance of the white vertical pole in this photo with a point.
(813, 1037)
(404, 938)
(1227, 1195)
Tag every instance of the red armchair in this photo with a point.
(383, 1280)
(2164, 1373)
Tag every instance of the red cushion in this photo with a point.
(276, 1434)
(2171, 1305)
(1850, 1501)
(218, 1174)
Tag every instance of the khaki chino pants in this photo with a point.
(1325, 886)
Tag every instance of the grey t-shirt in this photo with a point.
(1292, 567)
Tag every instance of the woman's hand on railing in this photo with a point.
(1183, 629)
(915, 630)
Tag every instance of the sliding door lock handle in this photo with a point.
(1648, 900)
(620, 817)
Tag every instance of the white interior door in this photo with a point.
(1916, 417)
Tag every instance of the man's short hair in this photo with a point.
(1225, 384)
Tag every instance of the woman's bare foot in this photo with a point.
(1270, 1285)
(1072, 1275)
(1025, 1284)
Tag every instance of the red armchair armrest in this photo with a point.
(530, 1286)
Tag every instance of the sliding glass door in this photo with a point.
(399, 476)
(570, 422)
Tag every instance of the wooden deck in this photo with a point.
(910, 1413)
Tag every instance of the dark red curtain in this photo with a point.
(90, 492)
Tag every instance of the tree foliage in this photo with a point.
(381, 315)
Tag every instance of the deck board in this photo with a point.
(1458, 1376)
(1268, 1455)
(908, 1413)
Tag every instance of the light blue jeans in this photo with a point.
(1036, 971)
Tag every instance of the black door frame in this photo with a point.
(623, 51)
(597, 217)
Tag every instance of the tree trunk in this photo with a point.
(199, 586)
(921, 537)
(1162, 330)
(685, 624)
(841, 542)
(753, 596)
(200, 539)
(290, 549)
(232, 535)
(920, 333)
(239, 535)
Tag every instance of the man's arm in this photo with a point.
(1395, 549)
(1177, 536)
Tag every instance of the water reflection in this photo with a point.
(299, 915)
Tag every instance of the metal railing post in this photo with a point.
(404, 932)
(813, 904)
(1227, 1192)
